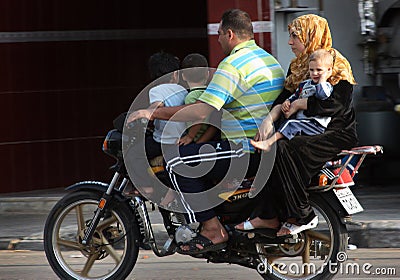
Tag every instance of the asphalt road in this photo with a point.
(32, 265)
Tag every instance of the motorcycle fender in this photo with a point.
(88, 185)
(330, 198)
(94, 186)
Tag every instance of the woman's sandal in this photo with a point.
(295, 229)
(266, 232)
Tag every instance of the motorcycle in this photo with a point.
(96, 230)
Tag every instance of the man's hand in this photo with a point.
(140, 114)
(184, 140)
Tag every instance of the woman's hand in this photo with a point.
(285, 106)
(299, 104)
(291, 111)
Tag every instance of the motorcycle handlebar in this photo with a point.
(120, 121)
(142, 122)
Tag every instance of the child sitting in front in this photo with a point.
(195, 73)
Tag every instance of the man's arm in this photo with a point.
(190, 112)
(155, 105)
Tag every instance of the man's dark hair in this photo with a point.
(198, 64)
(239, 22)
(162, 63)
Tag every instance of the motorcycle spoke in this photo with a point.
(69, 244)
(273, 259)
(111, 244)
(111, 251)
(105, 223)
(89, 264)
(310, 252)
(314, 235)
(306, 256)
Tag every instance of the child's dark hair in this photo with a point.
(198, 64)
(162, 63)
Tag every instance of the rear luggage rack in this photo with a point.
(341, 176)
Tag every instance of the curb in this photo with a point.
(22, 244)
(378, 234)
(27, 204)
(34, 242)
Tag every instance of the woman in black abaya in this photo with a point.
(297, 160)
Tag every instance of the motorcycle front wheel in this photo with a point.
(314, 255)
(111, 253)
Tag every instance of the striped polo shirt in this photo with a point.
(245, 85)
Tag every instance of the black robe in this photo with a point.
(299, 159)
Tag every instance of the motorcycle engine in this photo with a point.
(184, 234)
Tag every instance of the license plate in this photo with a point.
(348, 200)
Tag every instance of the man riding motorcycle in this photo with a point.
(244, 90)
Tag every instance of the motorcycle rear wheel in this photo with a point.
(316, 257)
(113, 250)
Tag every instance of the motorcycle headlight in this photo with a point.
(112, 144)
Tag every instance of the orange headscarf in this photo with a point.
(313, 31)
